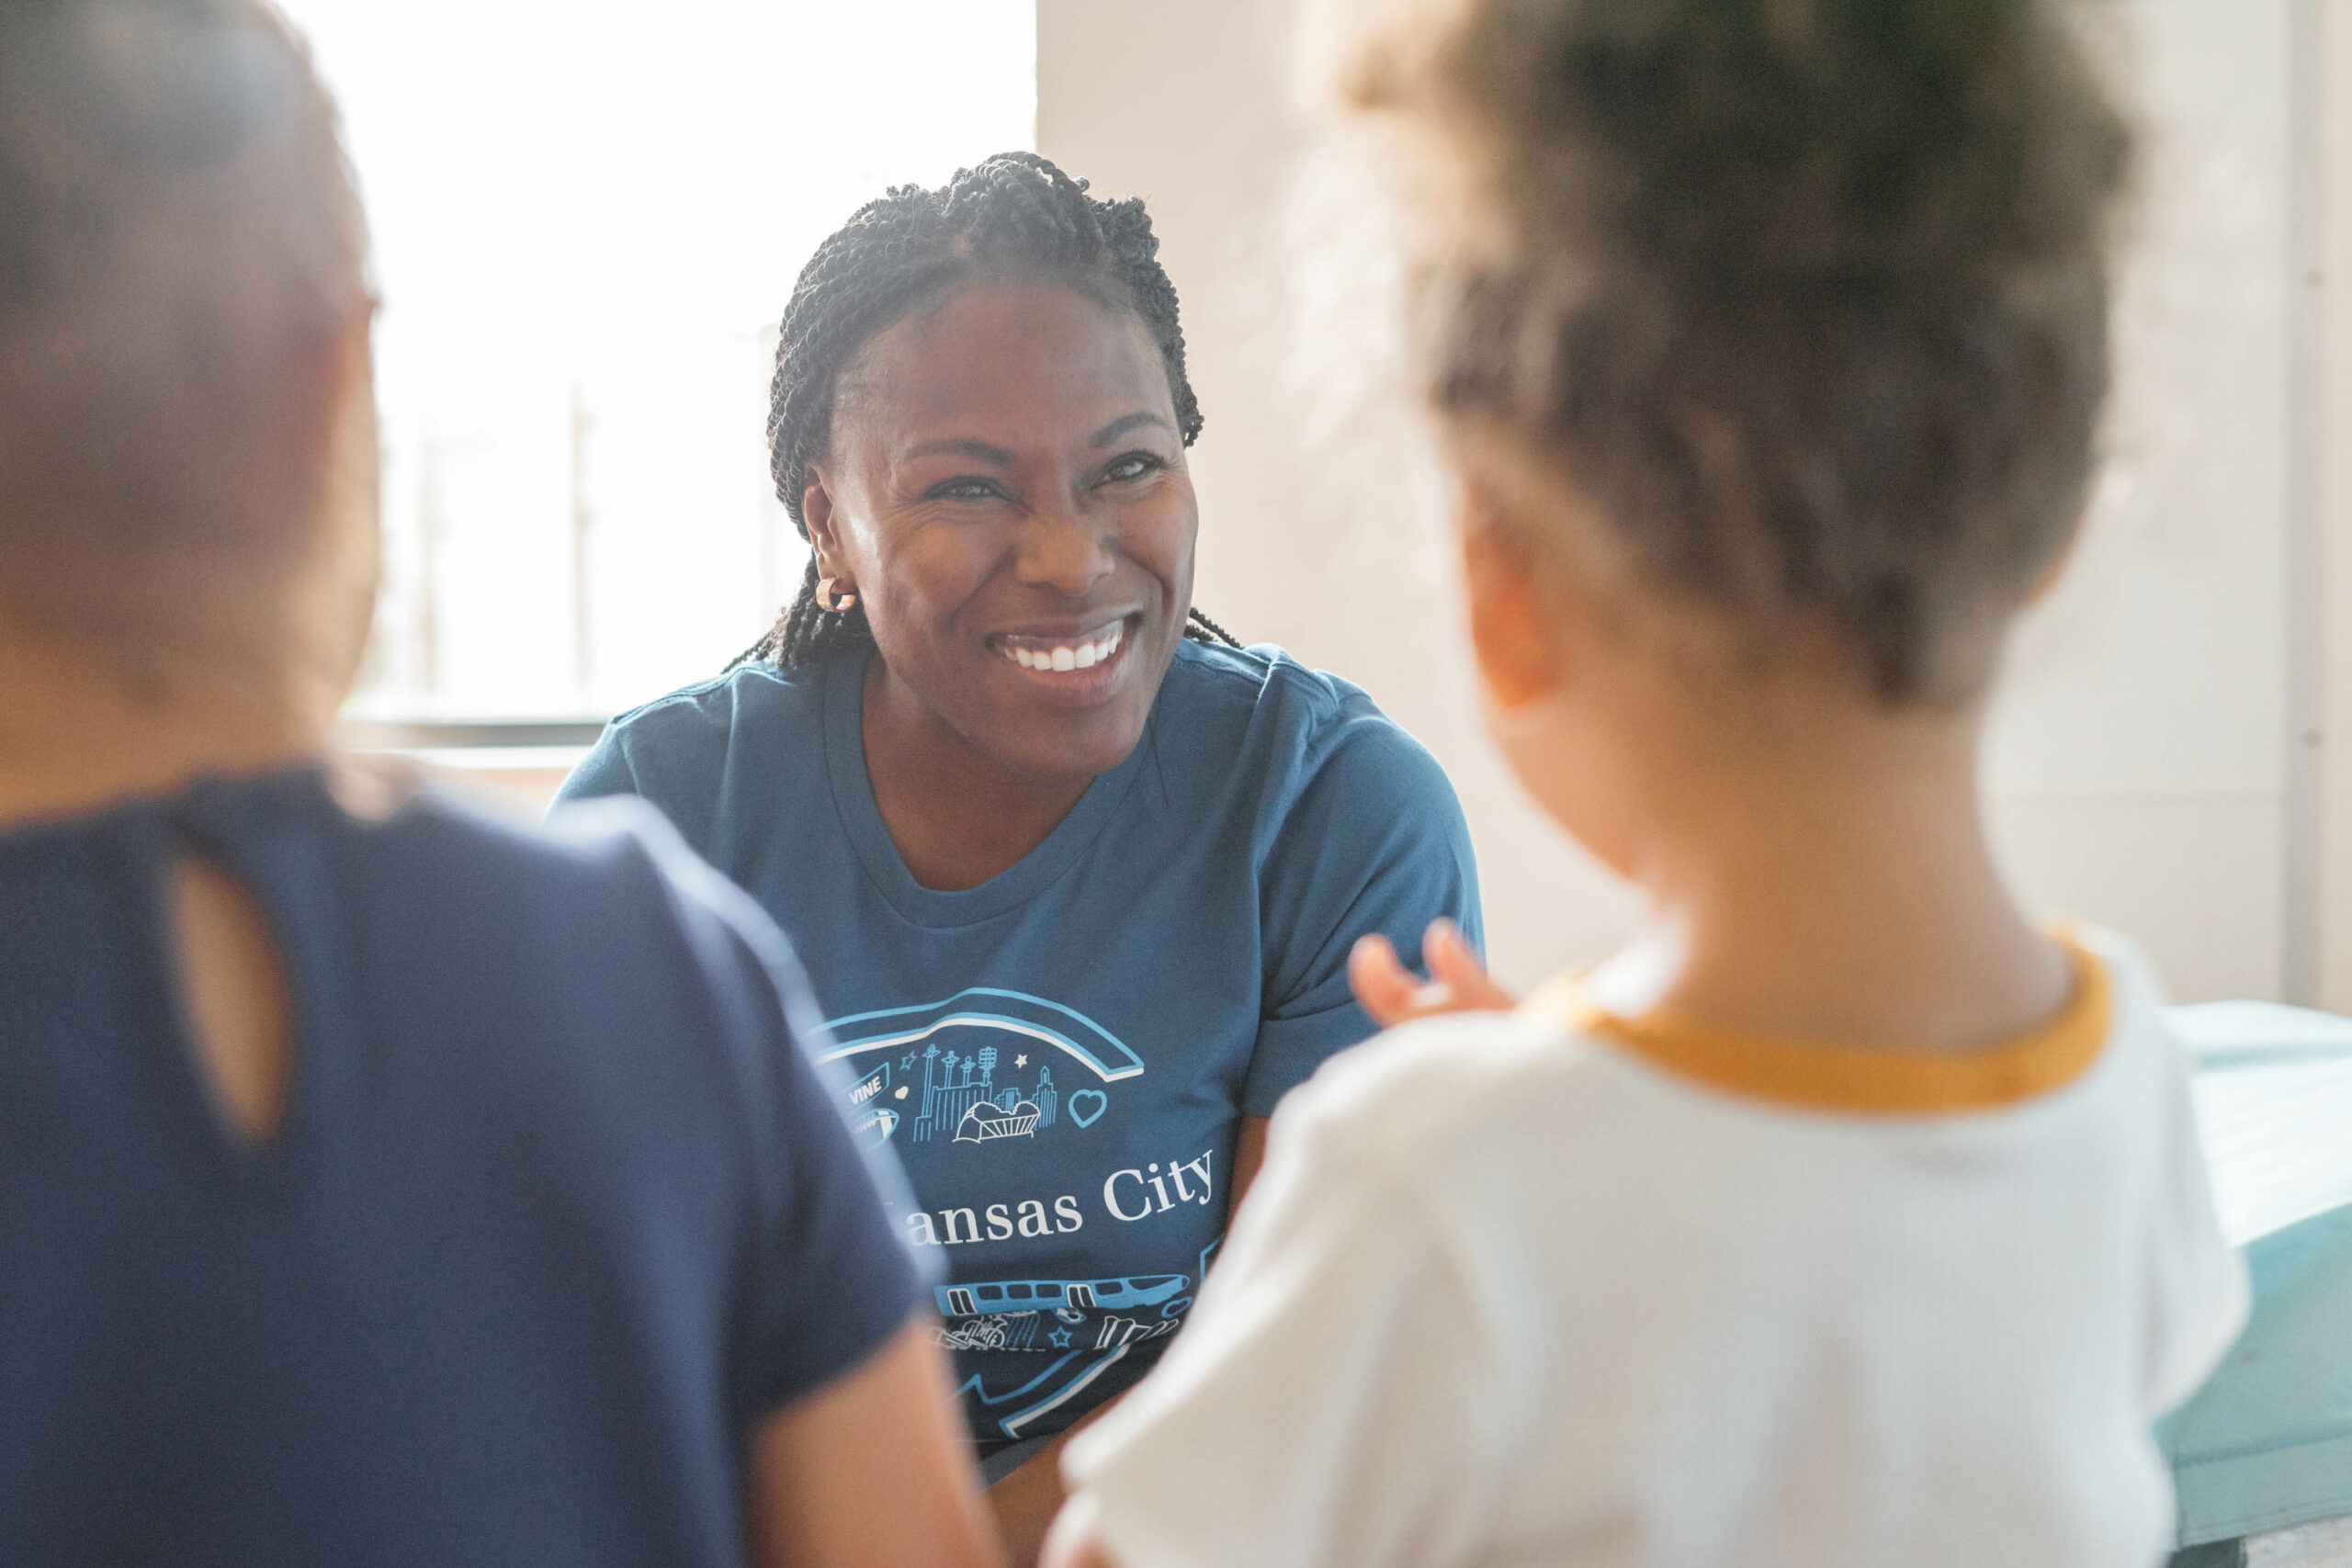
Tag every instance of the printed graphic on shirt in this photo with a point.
(988, 1096)
(1086, 1325)
(1017, 1409)
(1069, 1299)
(976, 1068)
(1130, 1195)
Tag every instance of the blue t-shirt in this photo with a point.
(1061, 1056)
(557, 1210)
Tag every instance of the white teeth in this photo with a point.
(1068, 656)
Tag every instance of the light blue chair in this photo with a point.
(2262, 1456)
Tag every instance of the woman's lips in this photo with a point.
(1063, 655)
(1076, 669)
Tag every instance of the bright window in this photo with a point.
(587, 216)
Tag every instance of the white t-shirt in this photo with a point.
(1562, 1288)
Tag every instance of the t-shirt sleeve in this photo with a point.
(1324, 1403)
(837, 1280)
(831, 1279)
(605, 771)
(2197, 1290)
(1375, 841)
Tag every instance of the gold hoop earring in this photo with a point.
(827, 603)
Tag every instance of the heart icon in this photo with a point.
(1088, 1104)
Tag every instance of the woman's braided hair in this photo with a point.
(1014, 215)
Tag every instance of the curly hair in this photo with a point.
(1806, 297)
(1013, 215)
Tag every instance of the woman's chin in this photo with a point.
(1060, 723)
(1066, 745)
(1077, 720)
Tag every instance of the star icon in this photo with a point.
(1020, 1060)
(907, 1062)
(1060, 1337)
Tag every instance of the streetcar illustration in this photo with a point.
(1065, 1295)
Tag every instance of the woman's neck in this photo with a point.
(956, 815)
(79, 733)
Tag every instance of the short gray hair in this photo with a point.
(181, 247)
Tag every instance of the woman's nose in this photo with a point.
(1066, 550)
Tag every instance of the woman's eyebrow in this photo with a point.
(1120, 426)
(980, 451)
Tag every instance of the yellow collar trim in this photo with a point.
(1865, 1079)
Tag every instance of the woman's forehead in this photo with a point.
(1003, 361)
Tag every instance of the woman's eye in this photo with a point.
(962, 489)
(1134, 465)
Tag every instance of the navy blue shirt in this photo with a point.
(557, 1210)
(1062, 1056)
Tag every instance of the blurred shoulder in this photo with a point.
(2138, 989)
(1259, 680)
(1233, 701)
(601, 876)
(1417, 1098)
(678, 751)
(760, 696)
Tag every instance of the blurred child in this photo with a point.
(1846, 1216)
(379, 1183)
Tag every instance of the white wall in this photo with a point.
(2138, 760)
(2138, 757)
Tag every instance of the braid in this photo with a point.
(1199, 628)
(1016, 214)
(805, 635)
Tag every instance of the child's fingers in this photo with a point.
(1453, 963)
(1392, 994)
(1382, 985)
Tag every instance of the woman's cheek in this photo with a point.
(1163, 537)
(937, 580)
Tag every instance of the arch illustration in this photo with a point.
(1015, 1013)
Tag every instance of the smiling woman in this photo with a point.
(1066, 463)
(1077, 887)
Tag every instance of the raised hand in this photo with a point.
(1392, 994)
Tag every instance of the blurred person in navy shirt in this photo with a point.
(378, 1182)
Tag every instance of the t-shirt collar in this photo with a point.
(843, 683)
(1856, 1079)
